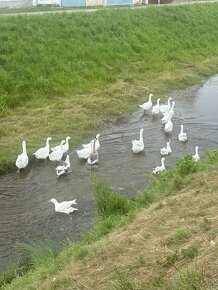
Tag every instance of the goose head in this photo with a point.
(97, 136)
(151, 95)
(68, 138)
(53, 200)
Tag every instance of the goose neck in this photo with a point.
(141, 135)
(24, 147)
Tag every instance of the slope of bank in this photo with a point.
(69, 76)
(165, 238)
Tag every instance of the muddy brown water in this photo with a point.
(27, 216)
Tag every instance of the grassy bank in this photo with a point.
(69, 76)
(159, 240)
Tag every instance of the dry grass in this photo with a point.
(134, 256)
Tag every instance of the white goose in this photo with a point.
(64, 167)
(168, 115)
(168, 128)
(93, 157)
(65, 206)
(65, 146)
(158, 169)
(166, 150)
(22, 159)
(57, 154)
(196, 156)
(182, 136)
(97, 143)
(156, 108)
(147, 105)
(138, 145)
(165, 108)
(42, 153)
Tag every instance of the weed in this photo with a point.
(205, 224)
(180, 236)
(171, 259)
(189, 252)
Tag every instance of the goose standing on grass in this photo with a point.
(64, 167)
(168, 128)
(97, 143)
(165, 108)
(166, 150)
(138, 145)
(65, 146)
(196, 156)
(57, 154)
(147, 106)
(156, 108)
(65, 206)
(93, 157)
(169, 114)
(158, 169)
(182, 136)
(22, 159)
(42, 153)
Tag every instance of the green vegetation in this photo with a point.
(115, 211)
(68, 76)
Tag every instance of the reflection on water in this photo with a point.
(27, 216)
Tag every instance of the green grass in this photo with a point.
(88, 67)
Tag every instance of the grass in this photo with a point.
(132, 238)
(67, 77)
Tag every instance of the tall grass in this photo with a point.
(58, 55)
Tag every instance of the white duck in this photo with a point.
(57, 154)
(22, 159)
(42, 153)
(65, 146)
(156, 108)
(64, 167)
(65, 206)
(165, 108)
(168, 128)
(166, 150)
(93, 157)
(182, 136)
(147, 105)
(168, 115)
(196, 156)
(97, 143)
(138, 145)
(158, 169)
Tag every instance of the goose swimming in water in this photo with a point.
(42, 153)
(65, 206)
(165, 108)
(64, 167)
(22, 159)
(168, 115)
(57, 154)
(168, 128)
(138, 145)
(147, 105)
(65, 146)
(182, 136)
(156, 108)
(97, 143)
(166, 150)
(196, 156)
(158, 169)
(93, 157)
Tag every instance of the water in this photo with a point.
(27, 216)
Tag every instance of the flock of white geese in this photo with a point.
(89, 151)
